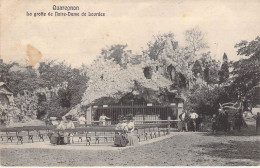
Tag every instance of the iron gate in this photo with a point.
(149, 112)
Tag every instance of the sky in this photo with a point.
(79, 40)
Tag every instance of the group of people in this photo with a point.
(126, 135)
(57, 120)
(194, 122)
(220, 122)
(125, 127)
(190, 121)
(59, 136)
(237, 123)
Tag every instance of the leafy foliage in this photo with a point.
(246, 72)
(250, 49)
(27, 103)
(41, 92)
(206, 74)
(114, 53)
(205, 99)
(158, 44)
(224, 70)
(117, 75)
(197, 69)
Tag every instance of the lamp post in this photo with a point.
(132, 101)
(135, 93)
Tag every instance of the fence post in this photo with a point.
(180, 110)
(169, 125)
(89, 115)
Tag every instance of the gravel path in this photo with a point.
(183, 149)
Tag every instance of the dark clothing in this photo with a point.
(214, 123)
(257, 122)
(223, 122)
(238, 121)
(121, 140)
(56, 139)
(192, 125)
(214, 126)
(198, 121)
(184, 120)
(245, 106)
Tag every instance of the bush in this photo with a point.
(205, 99)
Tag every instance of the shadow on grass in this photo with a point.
(234, 150)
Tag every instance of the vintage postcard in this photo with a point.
(129, 83)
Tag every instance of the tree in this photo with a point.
(214, 68)
(249, 49)
(224, 70)
(27, 103)
(53, 74)
(22, 80)
(195, 39)
(246, 72)
(159, 44)
(46, 90)
(114, 53)
(206, 74)
(211, 68)
(205, 99)
(5, 71)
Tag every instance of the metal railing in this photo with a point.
(143, 113)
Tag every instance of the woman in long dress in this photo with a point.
(57, 137)
(130, 133)
(121, 137)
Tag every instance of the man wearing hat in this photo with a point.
(193, 117)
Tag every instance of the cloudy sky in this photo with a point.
(79, 40)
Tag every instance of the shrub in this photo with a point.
(205, 99)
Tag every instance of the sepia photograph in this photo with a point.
(129, 83)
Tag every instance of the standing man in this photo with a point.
(193, 117)
(198, 122)
(102, 119)
(238, 120)
(82, 119)
(184, 120)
